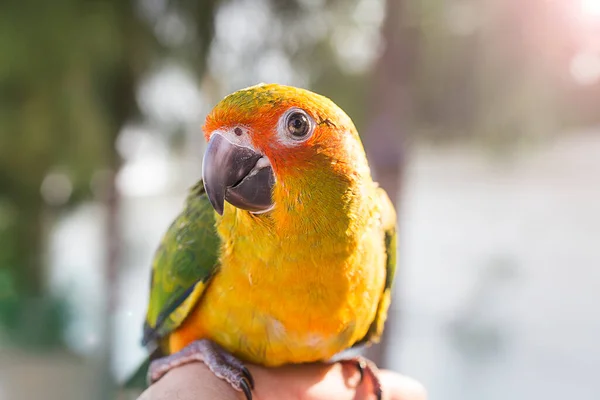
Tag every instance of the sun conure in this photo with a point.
(284, 252)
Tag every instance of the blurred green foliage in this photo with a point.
(63, 92)
(32, 322)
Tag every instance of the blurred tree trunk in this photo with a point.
(390, 114)
(515, 83)
(121, 108)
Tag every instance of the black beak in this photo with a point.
(237, 174)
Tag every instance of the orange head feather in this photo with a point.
(333, 142)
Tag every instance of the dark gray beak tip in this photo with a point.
(218, 202)
(213, 185)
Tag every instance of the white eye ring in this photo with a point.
(295, 126)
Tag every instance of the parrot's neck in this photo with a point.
(321, 210)
(322, 201)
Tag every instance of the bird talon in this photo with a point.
(248, 376)
(361, 365)
(378, 394)
(366, 367)
(223, 364)
(246, 385)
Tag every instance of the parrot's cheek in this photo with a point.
(237, 174)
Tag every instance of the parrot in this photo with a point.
(285, 251)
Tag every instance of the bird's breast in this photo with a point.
(295, 300)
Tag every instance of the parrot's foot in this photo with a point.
(367, 369)
(219, 361)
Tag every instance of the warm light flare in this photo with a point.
(590, 8)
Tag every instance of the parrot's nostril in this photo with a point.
(238, 131)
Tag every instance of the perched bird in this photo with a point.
(284, 252)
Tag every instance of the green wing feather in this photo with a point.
(184, 263)
(388, 219)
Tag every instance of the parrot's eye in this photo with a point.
(297, 124)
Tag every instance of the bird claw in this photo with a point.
(219, 361)
(368, 369)
(247, 386)
(248, 376)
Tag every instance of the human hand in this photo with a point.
(195, 381)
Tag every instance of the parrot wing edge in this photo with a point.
(388, 219)
(183, 265)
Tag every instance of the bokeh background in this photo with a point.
(480, 117)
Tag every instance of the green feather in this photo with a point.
(186, 257)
